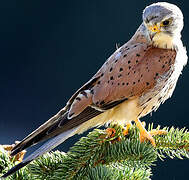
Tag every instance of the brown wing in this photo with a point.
(131, 71)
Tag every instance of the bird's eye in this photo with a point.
(165, 23)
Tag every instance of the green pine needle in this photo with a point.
(103, 156)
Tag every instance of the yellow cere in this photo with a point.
(154, 28)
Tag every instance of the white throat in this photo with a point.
(165, 41)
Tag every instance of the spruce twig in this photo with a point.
(104, 156)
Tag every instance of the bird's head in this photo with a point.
(164, 22)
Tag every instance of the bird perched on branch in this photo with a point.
(133, 82)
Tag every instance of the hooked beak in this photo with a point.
(153, 30)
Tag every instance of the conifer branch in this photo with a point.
(101, 155)
(174, 144)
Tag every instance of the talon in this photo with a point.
(155, 132)
(147, 136)
(110, 132)
(126, 130)
(144, 135)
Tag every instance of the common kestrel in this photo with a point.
(133, 82)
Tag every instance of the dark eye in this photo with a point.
(166, 22)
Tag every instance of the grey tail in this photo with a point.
(44, 132)
(15, 168)
(58, 128)
(49, 145)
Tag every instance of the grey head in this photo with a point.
(163, 18)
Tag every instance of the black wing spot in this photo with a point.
(121, 69)
(149, 99)
(111, 69)
(147, 83)
(153, 108)
(111, 78)
(129, 62)
(78, 98)
(92, 91)
(137, 55)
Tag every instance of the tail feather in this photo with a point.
(49, 145)
(41, 134)
(59, 128)
(15, 168)
(55, 126)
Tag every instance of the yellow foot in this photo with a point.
(155, 132)
(144, 135)
(110, 132)
(126, 130)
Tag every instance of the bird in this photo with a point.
(134, 81)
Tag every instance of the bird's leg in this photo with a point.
(110, 132)
(144, 135)
(155, 132)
